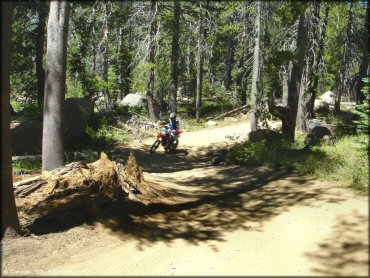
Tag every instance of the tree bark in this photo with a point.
(286, 77)
(9, 216)
(317, 71)
(94, 40)
(55, 85)
(152, 106)
(364, 67)
(198, 99)
(342, 80)
(256, 58)
(107, 99)
(40, 41)
(121, 91)
(288, 128)
(175, 57)
(307, 92)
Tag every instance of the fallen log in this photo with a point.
(234, 111)
(77, 155)
(81, 185)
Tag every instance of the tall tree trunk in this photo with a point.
(94, 39)
(342, 80)
(245, 56)
(198, 99)
(307, 92)
(9, 216)
(288, 127)
(107, 99)
(40, 41)
(286, 77)
(317, 71)
(55, 85)
(152, 106)
(364, 67)
(120, 64)
(256, 58)
(175, 57)
(230, 61)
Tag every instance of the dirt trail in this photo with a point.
(218, 220)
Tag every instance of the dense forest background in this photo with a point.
(110, 49)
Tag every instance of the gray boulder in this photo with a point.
(269, 136)
(26, 137)
(77, 112)
(321, 106)
(134, 100)
(230, 119)
(328, 97)
(211, 123)
(316, 136)
(312, 123)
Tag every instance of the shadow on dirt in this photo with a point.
(344, 253)
(250, 198)
(161, 162)
(205, 207)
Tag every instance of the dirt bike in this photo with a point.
(169, 139)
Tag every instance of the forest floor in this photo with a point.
(214, 220)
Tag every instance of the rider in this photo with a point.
(173, 123)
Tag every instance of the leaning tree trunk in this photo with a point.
(39, 45)
(9, 217)
(55, 85)
(256, 59)
(175, 57)
(198, 98)
(342, 81)
(152, 107)
(364, 67)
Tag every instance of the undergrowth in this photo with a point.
(344, 161)
(26, 165)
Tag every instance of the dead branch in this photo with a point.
(234, 111)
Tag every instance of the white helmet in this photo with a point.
(172, 115)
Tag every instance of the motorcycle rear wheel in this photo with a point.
(172, 145)
(155, 146)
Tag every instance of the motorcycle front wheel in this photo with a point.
(155, 146)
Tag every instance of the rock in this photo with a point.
(77, 112)
(311, 123)
(242, 116)
(316, 136)
(328, 97)
(218, 160)
(321, 106)
(27, 137)
(211, 123)
(134, 100)
(230, 119)
(265, 134)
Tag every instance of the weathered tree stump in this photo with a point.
(80, 185)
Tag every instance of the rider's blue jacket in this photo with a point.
(172, 123)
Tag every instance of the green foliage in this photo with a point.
(26, 165)
(363, 110)
(345, 162)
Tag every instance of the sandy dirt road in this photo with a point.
(216, 220)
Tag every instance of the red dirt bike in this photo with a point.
(169, 139)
